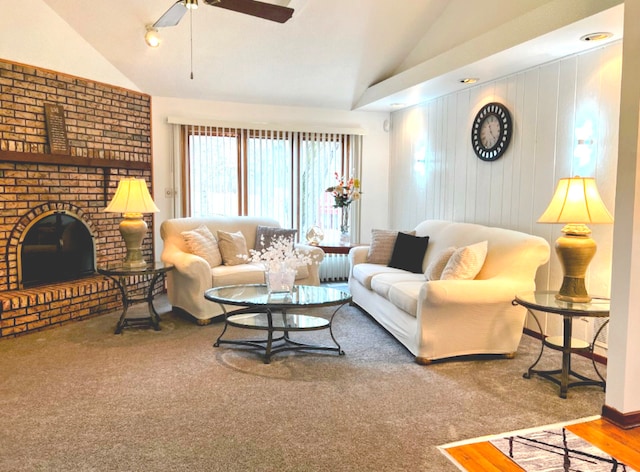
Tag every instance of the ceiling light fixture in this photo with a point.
(596, 36)
(151, 37)
(469, 80)
(191, 4)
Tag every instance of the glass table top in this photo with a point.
(546, 301)
(120, 268)
(257, 295)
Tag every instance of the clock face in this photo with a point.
(491, 131)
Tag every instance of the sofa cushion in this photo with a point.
(435, 268)
(265, 235)
(237, 274)
(202, 242)
(382, 283)
(381, 246)
(405, 295)
(233, 248)
(408, 252)
(465, 262)
(364, 272)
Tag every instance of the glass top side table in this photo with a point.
(120, 273)
(546, 302)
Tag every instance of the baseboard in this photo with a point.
(600, 359)
(622, 420)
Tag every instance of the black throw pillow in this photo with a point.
(408, 252)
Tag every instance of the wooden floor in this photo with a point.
(622, 444)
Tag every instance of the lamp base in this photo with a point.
(133, 228)
(575, 252)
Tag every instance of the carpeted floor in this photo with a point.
(79, 398)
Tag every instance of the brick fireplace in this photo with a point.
(109, 137)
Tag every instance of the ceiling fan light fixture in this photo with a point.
(191, 4)
(151, 37)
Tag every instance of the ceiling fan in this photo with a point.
(268, 11)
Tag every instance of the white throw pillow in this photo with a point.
(465, 263)
(434, 270)
(233, 247)
(201, 242)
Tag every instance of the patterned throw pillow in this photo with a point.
(233, 247)
(382, 244)
(201, 242)
(434, 270)
(466, 262)
(267, 234)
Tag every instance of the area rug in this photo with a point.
(548, 449)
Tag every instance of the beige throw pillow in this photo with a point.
(382, 244)
(435, 268)
(201, 242)
(233, 248)
(466, 262)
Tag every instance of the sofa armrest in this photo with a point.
(358, 255)
(191, 267)
(313, 268)
(473, 292)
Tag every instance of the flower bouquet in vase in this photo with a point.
(280, 260)
(344, 193)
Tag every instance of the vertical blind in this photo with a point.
(269, 173)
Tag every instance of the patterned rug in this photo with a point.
(550, 449)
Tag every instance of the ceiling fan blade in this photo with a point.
(172, 16)
(264, 10)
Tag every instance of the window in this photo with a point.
(276, 174)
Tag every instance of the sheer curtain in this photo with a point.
(267, 172)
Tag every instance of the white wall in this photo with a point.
(32, 33)
(435, 174)
(375, 159)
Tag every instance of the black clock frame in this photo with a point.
(506, 130)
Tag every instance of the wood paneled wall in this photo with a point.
(434, 173)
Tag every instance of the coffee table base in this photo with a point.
(277, 322)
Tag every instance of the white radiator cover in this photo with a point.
(334, 267)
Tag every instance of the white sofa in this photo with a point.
(445, 318)
(192, 275)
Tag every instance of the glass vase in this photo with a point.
(345, 237)
(280, 280)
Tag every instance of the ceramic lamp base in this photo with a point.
(133, 229)
(575, 253)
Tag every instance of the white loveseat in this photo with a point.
(193, 275)
(436, 319)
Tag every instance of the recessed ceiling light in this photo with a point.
(396, 105)
(469, 80)
(596, 36)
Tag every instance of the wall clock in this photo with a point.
(491, 131)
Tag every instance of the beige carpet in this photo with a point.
(79, 398)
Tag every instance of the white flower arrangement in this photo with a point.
(281, 255)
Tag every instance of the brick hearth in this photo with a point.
(109, 134)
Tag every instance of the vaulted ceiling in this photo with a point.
(342, 54)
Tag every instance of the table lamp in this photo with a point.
(576, 202)
(132, 199)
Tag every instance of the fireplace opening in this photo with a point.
(56, 247)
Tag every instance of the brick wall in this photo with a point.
(109, 134)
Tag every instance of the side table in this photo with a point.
(547, 302)
(120, 274)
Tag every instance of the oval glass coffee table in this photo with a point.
(270, 312)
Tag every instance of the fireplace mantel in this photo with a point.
(61, 159)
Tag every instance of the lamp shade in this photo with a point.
(577, 201)
(132, 196)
